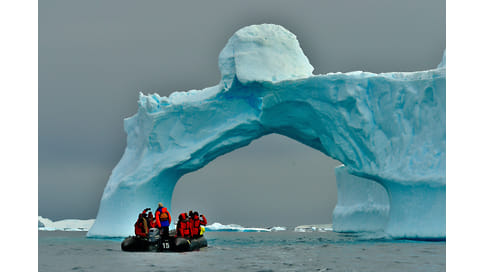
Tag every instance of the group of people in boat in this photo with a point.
(188, 225)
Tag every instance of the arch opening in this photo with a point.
(273, 181)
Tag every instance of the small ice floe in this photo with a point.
(314, 228)
(278, 229)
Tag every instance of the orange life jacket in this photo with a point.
(195, 225)
(183, 228)
(152, 223)
(139, 228)
(163, 218)
(163, 215)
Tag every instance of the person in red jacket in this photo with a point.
(183, 226)
(141, 227)
(151, 220)
(163, 220)
(195, 223)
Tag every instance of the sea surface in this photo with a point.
(245, 251)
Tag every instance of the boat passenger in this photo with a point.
(141, 227)
(195, 223)
(163, 220)
(151, 220)
(183, 226)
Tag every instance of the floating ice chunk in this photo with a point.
(314, 228)
(278, 228)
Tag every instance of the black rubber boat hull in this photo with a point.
(182, 244)
(133, 243)
(172, 244)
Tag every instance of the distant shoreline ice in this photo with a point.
(312, 228)
(46, 224)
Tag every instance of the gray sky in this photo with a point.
(95, 56)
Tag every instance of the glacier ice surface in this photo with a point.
(388, 130)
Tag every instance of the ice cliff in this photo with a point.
(387, 129)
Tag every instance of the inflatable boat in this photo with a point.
(155, 243)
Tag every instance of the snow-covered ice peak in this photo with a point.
(264, 52)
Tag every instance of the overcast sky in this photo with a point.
(95, 56)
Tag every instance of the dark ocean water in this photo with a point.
(245, 251)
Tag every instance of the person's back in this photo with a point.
(195, 224)
(163, 219)
(151, 220)
(183, 226)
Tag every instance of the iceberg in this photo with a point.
(387, 129)
(65, 225)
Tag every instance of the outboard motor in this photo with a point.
(153, 239)
(154, 235)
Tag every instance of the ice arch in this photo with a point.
(270, 172)
(387, 128)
